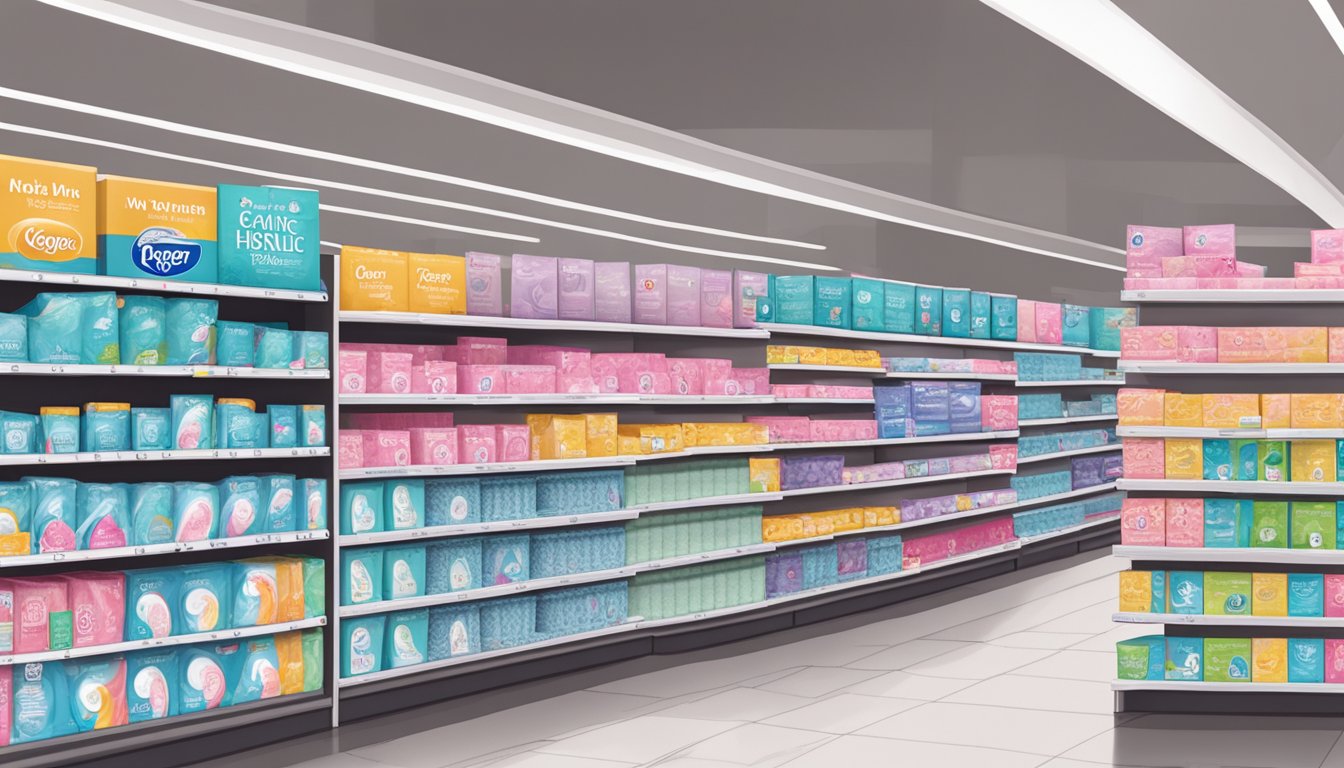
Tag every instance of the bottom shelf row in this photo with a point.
(50, 699)
(399, 643)
(1229, 660)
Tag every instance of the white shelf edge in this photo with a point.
(146, 550)
(1066, 420)
(1232, 434)
(1235, 296)
(788, 329)
(951, 375)
(223, 635)
(1199, 685)
(373, 473)
(516, 323)
(160, 286)
(1096, 522)
(1235, 486)
(182, 371)
(1197, 619)
(1266, 555)
(1171, 366)
(866, 370)
(1073, 383)
(555, 399)
(112, 457)
(1065, 454)
(825, 400)
(731, 500)
(922, 480)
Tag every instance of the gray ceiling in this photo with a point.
(947, 102)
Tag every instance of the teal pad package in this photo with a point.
(314, 511)
(13, 338)
(898, 307)
(313, 425)
(237, 426)
(144, 330)
(151, 513)
(1306, 594)
(107, 427)
(869, 304)
(403, 504)
(1185, 592)
(312, 348)
(240, 510)
(268, 237)
(361, 507)
(235, 344)
(255, 590)
(794, 299)
(1185, 658)
(104, 516)
(20, 433)
(97, 692)
(1306, 660)
(192, 422)
(928, 310)
(403, 572)
(362, 645)
(1003, 317)
(60, 430)
(278, 501)
(361, 575)
(100, 328)
(151, 429)
(406, 638)
(152, 688)
(40, 702)
(195, 511)
(16, 508)
(255, 672)
(274, 348)
(1217, 459)
(151, 602)
(833, 302)
(55, 512)
(54, 328)
(202, 677)
(956, 312)
(283, 421)
(1227, 522)
(981, 313)
(191, 331)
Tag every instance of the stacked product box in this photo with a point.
(1204, 257)
(1316, 461)
(1041, 366)
(1231, 659)
(1052, 405)
(945, 365)
(930, 548)
(1232, 593)
(1201, 344)
(1056, 517)
(1055, 442)
(924, 408)
(671, 534)
(696, 589)
(1232, 523)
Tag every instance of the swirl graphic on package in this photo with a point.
(459, 640)
(314, 509)
(164, 251)
(240, 517)
(361, 514)
(459, 508)
(260, 595)
(361, 583)
(205, 676)
(403, 580)
(94, 697)
(281, 499)
(151, 685)
(196, 521)
(153, 610)
(403, 644)
(361, 643)
(403, 512)
(267, 676)
(45, 240)
(202, 607)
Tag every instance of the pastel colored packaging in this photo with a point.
(362, 645)
(205, 599)
(1143, 522)
(577, 290)
(437, 283)
(1227, 593)
(40, 700)
(13, 341)
(898, 314)
(152, 686)
(19, 433)
(312, 348)
(407, 638)
(1269, 660)
(1306, 594)
(191, 331)
(683, 295)
(404, 504)
(485, 292)
(100, 329)
(151, 513)
(361, 507)
(748, 288)
(928, 310)
(256, 593)
(1185, 522)
(1213, 239)
(1269, 594)
(1272, 461)
(956, 312)
(34, 602)
(1306, 660)
(268, 237)
(867, 304)
(49, 213)
(274, 348)
(151, 603)
(202, 676)
(313, 425)
(1143, 591)
(104, 516)
(1185, 592)
(534, 287)
(240, 506)
(716, 298)
(54, 517)
(611, 298)
(107, 427)
(403, 572)
(235, 344)
(1217, 460)
(833, 302)
(1269, 524)
(277, 495)
(1185, 658)
(1227, 522)
(314, 587)
(1145, 247)
(1142, 658)
(1312, 525)
(794, 299)
(195, 511)
(315, 513)
(157, 230)
(284, 425)
(16, 513)
(143, 328)
(313, 666)
(981, 315)
(255, 673)
(1227, 660)
(1003, 317)
(361, 575)
(151, 429)
(60, 429)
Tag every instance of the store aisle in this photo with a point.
(1016, 676)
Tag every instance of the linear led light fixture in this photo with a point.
(424, 223)
(406, 197)
(1330, 20)
(253, 142)
(274, 44)
(1100, 34)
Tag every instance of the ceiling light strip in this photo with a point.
(1330, 20)
(253, 142)
(402, 196)
(425, 223)
(276, 44)
(1103, 36)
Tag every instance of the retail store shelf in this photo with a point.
(112, 457)
(1227, 621)
(709, 501)
(565, 326)
(1232, 434)
(624, 461)
(824, 400)
(1231, 555)
(223, 635)
(148, 550)
(1097, 522)
(1236, 296)
(784, 329)
(1065, 454)
(951, 376)
(157, 286)
(1235, 486)
(1171, 366)
(555, 399)
(1066, 420)
(181, 371)
(1074, 383)
(922, 480)
(866, 370)
(1196, 685)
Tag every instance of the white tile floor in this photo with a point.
(1011, 676)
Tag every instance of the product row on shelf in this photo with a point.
(1226, 660)
(1232, 593)
(1232, 523)
(1205, 258)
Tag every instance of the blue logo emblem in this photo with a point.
(164, 252)
(1137, 240)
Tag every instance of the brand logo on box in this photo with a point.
(45, 240)
(164, 252)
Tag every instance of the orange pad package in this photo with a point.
(1231, 411)
(1141, 407)
(1316, 411)
(1183, 410)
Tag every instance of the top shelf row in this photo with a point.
(213, 290)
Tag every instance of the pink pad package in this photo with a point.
(1310, 283)
(716, 298)
(433, 446)
(650, 302)
(485, 287)
(1145, 247)
(34, 602)
(1327, 246)
(753, 381)
(386, 447)
(482, 350)
(1144, 457)
(1185, 522)
(687, 374)
(1210, 239)
(529, 379)
(1150, 342)
(1334, 595)
(842, 430)
(389, 373)
(791, 390)
(998, 413)
(352, 367)
(748, 287)
(612, 295)
(1003, 456)
(350, 448)
(1246, 269)
(1026, 320)
(1161, 283)
(1197, 344)
(577, 290)
(785, 429)
(98, 604)
(1143, 522)
(513, 442)
(683, 295)
(1334, 660)
(476, 444)
(1333, 269)
(1049, 323)
(481, 380)
(434, 377)
(534, 287)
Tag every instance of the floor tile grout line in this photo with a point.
(930, 636)
(1332, 749)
